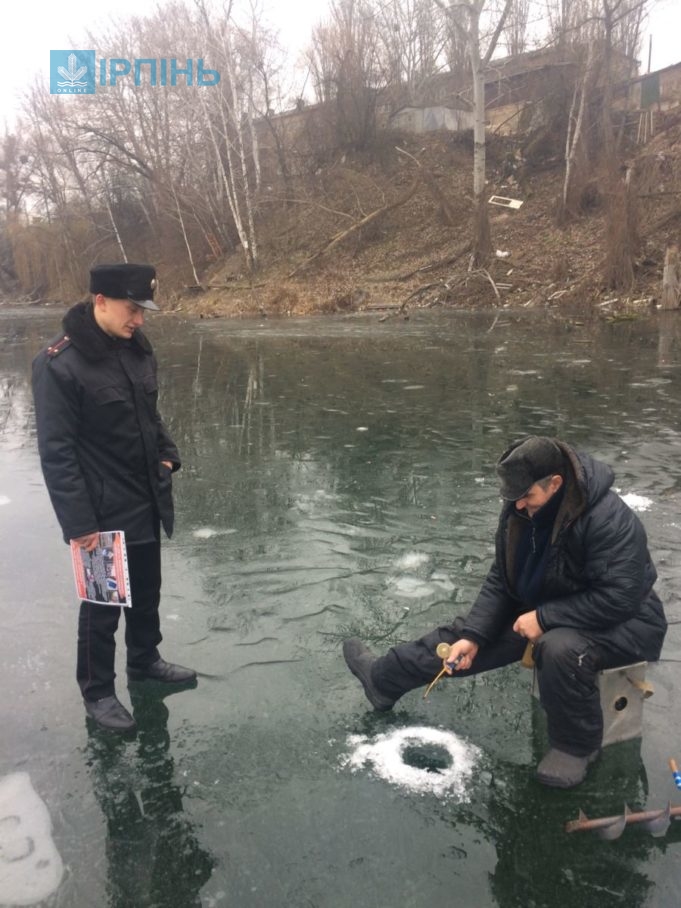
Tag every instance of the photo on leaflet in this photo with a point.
(101, 576)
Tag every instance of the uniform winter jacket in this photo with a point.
(599, 575)
(100, 437)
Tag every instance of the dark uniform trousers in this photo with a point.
(97, 626)
(567, 662)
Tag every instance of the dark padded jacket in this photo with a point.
(100, 436)
(599, 575)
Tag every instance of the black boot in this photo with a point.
(163, 671)
(110, 713)
(359, 659)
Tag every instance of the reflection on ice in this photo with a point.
(411, 587)
(30, 866)
(443, 581)
(388, 754)
(414, 588)
(315, 502)
(4, 499)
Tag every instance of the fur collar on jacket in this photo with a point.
(89, 339)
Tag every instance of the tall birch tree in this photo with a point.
(466, 17)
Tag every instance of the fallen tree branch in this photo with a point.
(439, 197)
(431, 266)
(235, 287)
(310, 202)
(419, 292)
(450, 285)
(364, 222)
(662, 222)
(489, 278)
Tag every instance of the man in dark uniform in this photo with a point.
(572, 575)
(107, 459)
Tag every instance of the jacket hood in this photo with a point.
(597, 477)
(587, 480)
(89, 339)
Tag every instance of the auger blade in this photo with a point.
(615, 829)
(656, 822)
(658, 825)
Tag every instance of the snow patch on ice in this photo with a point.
(411, 560)
(209, 532)
(30, 866)
(385, 754)
(637, 502)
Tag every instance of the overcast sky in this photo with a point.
(30, 31)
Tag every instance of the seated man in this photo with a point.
(572, 575)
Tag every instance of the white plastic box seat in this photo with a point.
(623, 691)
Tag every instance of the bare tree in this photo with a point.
(466, 18)
(344, 62)
(412, 38)
(621, 21)
(515, 32)
(621, 26)
(15, 168)
(576, 165)
(181, 160)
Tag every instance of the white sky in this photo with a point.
(31, 29)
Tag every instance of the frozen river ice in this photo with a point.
(337, 481)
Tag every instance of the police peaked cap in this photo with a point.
(125, 281)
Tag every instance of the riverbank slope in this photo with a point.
(365, 233)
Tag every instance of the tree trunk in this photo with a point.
(482, 239)
(671, 279)
(570, 200)
(622, 235)
(114, 225)
(188, 247)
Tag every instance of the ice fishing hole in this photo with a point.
(430, 757)
(419, 759)
(621, 703)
